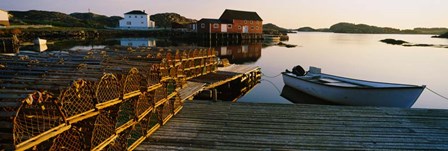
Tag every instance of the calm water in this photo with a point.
(359, 56)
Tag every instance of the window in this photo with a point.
(245, 21)
(128, 23)
(135, 16)
(202, 25)
(252, 28)
(229, 26)
(215, 25)
(257, 28)
(251, 22)
(142, 22)
(130, 16)
(239, 27)
(141, 16)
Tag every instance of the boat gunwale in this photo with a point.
(407, 86)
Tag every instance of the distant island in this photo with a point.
(272, 28)
(368, 29)
(309, 29)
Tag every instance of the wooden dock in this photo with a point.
(100, 100)
(244, 126)
(226, 74)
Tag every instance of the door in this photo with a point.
(245, 29)
(224, 28)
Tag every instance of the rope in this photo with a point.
(272, 85)
(271, 76)
(444, 97)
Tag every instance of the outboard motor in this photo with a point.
(298, 70)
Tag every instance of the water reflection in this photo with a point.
(74, 45)
(138, 42)
(86, 48)
(300, 97)
(240, 54)
(236, 89)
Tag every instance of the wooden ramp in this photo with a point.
(227, 74)
(240, 126)
(190, 90)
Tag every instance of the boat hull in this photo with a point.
(385, 97)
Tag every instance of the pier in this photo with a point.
(113, 98)
(121, 98)
(246, 126)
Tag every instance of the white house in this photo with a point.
(136, 19)
(4, 18)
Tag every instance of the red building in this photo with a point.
(232, 21)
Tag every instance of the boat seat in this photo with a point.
(342, 84)
(327, 80)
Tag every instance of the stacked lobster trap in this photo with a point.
(111, 99)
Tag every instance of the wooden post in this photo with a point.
(215, 95)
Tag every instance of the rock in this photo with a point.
(445, 35)
(394, 41)
(286, 45)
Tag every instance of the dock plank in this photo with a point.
(245, 126)
(191, 89)
(224, 75)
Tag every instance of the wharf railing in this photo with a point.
(110, 99)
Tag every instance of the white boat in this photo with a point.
(271, 37)
(39, 41)
(349, 91)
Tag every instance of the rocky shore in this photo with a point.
(445, 35)
(408, 44)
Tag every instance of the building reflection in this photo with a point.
(240, 53)
(138, 42)
(236, 52)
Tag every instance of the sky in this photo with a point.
(403, 14)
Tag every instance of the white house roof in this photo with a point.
(136, 12)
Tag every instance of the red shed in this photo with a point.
(233, 21)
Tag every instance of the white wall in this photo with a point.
(3, 16)
(136, 21)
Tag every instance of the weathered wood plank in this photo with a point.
(240, 126)
(191, 89)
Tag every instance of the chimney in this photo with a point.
(143, 10)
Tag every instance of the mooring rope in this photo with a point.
(272, 85)
(271, 76)
(444, 97)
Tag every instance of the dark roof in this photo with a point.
(208, 20)
(230, 15)
(136, 12)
